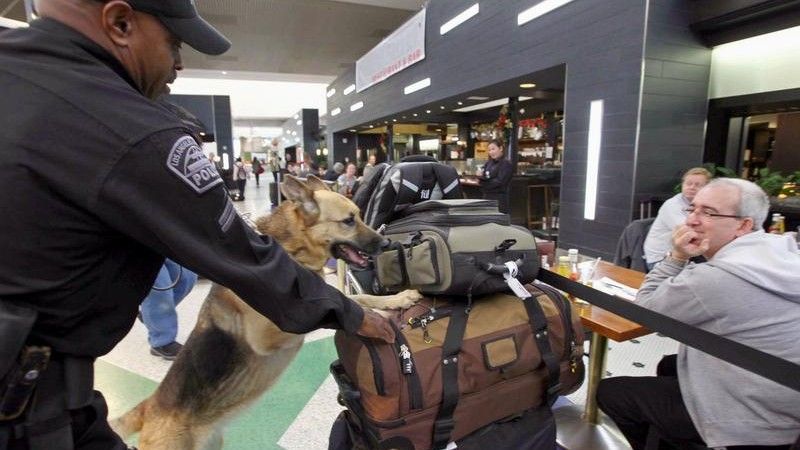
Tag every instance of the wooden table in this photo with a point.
(583, 430)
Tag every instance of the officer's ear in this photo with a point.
(118, 22)
(297, 191)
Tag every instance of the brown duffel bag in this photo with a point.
(456, 368)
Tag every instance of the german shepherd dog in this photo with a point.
(234, 354)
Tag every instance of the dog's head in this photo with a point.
(332, 220)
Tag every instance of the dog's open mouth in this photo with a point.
(350, 254)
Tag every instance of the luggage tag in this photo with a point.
(512, 282)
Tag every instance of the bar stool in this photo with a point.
(534, 218)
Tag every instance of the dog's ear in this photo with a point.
(297, 191)
(315, 184)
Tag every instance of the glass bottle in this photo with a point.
(563, 268)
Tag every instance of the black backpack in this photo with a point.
(405, 184)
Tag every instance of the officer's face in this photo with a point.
(158, 57)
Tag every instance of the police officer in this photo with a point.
(100, 183)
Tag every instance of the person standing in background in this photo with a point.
(159, 316)
(496, 176)
(672, 214)
(370, 165)
(257, 170)
(240, 176)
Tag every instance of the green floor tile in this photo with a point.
(258, 428)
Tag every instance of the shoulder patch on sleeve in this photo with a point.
(187, 161)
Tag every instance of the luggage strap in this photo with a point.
(538, 323)
(444, 424)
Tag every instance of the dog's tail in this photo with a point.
(131, 422)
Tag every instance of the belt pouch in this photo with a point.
(15, 325)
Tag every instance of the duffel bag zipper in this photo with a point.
(449, 221)
(377, 367)
(424, 320)
(408, 369)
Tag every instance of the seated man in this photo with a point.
(671, 214)
(747, 292)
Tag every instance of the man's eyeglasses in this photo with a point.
(707, 214)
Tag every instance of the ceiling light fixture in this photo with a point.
(331, 92)
(349, 89)
(477, 98)
(414, 87)
(539, 10)
(335, 112)
(593, 158)
(460, 103)
(428, 111)
(527, 85)
(299, 122)
(356, 106)
(462, 17)
(498, 102)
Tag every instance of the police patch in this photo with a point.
(187, 161)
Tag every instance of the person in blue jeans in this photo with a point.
(158, 313)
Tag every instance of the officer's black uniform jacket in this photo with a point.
(99, 182)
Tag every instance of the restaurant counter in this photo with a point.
(528, 194)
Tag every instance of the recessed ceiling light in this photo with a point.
(527, 85)
(539, 9)
(441, 107)
(415, 114)
(353, 131)
(372, 126)
(394, 120)
(460, 103)
(404, 117)
(428, 111)
(385, 121)
(335, 112)
(224, 72)
(356, 106)
(349, 89)
(331, 92)
(475, 97)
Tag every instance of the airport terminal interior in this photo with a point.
(598, 108)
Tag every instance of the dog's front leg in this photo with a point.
(401, 300)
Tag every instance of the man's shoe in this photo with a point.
(168, 352)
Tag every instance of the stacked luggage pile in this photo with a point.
(482, 358)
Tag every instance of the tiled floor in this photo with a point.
(298, 412)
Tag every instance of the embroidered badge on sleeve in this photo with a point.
(187, 161)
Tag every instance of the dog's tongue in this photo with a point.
(353, 255)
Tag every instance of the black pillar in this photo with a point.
(512, 153)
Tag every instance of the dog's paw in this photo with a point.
(405, 299)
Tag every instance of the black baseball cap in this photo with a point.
(181, 18)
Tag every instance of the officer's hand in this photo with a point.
(376, 326)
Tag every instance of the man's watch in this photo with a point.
(675, 260)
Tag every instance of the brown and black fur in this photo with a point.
(234, 354)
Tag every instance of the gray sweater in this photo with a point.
(748, 292)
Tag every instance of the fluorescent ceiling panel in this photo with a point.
(491, 104)
(462, 17)
(539, 10)
(414, 87)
